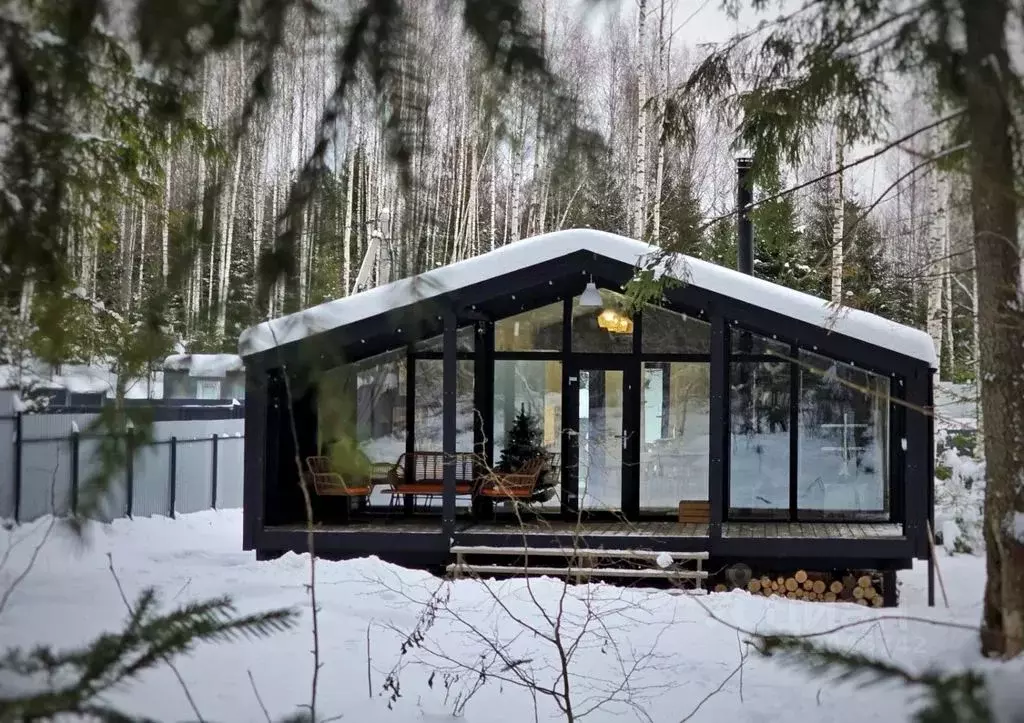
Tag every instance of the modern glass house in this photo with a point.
(736, 416)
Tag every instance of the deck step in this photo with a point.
(568, 552)
(577, 572)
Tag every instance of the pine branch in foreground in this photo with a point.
(42, 683)
(959, 697)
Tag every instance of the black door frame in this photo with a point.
(629, 365)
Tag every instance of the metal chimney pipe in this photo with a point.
(745, 230)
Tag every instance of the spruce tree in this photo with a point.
(780, 252)
(523, 442)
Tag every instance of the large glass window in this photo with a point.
(534, 330)
(464, 341)
(535, 387)
(361, 414)
(429, 392)
(602, 407)
(674, 434)
(669, 332)
(842, 460)
(602, 330)
(759, 440)
(746, 342)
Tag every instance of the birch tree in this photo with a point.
(640, 167)
(838, 225)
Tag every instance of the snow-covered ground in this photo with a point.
(676, 652)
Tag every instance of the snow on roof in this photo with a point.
(547, 247)
(204, 365)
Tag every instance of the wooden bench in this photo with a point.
(581, 564)
(421, 474)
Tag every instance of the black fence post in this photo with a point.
(74, 472)
(130, 473)
(174, 474)
(213, 490)
(17, 467)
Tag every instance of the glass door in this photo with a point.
(602, 445)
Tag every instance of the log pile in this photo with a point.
(863, 589)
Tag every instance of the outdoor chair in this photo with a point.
(518, 485)
(327, 482)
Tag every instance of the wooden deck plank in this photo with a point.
(648, 530)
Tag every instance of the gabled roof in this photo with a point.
(538, 249)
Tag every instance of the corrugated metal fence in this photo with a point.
(45, 459)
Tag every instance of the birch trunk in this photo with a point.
(211, 277)
(663, 73)
(494, 183)
(947, 286)
(165, 220)
(976, 351)
(838, 230)
(226, 253)
(517, 175)
(640, 162)
(127, 252)
(142, 250)
(935, 276)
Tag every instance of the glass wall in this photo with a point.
(674, 434)
(843, 427)
(361, 414)
(429, 405)
(602, 407)
(533, 386)
(759, 415)
(669, 332)
(588, 334)
(464, 341)
(538, 329)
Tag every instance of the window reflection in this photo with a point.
(534, 330)
(533, 386)
(843, 466)
(759, 439)
(669, 332)
(674, 429)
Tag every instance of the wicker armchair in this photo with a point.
(327, 482)
(518, 485)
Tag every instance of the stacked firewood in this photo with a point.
(818, 587)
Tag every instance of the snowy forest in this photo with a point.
(178, 207)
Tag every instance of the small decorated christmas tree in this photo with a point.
(523, 442)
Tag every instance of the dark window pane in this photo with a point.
(534, 330)
(669, 332)
(747, 342)
(674, 441)
(843, 459)
(603, 330)
(465, 337)
(759, 440)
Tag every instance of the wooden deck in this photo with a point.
(652, 529)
